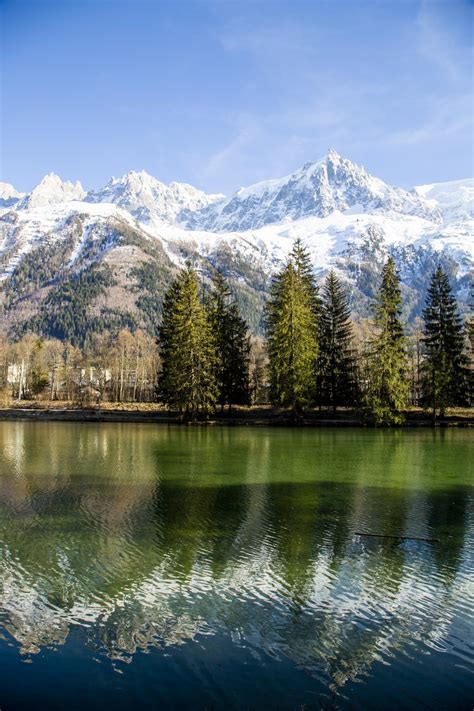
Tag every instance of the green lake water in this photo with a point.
(157, 567)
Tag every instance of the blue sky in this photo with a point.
(220, 93)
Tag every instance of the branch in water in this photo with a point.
(398, 538)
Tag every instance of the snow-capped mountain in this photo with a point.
(455, 199)
(116, 249)
(8, 195)
(146, 198)
(315, 190)
(50, 191)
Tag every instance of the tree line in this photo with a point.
(314, 359)
(313, 356)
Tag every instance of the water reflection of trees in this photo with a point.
(151, 536)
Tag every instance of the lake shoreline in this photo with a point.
(258, 418)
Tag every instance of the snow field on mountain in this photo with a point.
(339, 211)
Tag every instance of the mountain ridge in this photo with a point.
(144, 180)
(317, 188)
(136, 231)
(146, 197)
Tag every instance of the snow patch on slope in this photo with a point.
(48, 225)
(326, 239)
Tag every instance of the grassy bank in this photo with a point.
(256, 415)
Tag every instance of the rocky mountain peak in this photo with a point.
(51, 190)
(148, 199)
(317, 189)
(8, 195)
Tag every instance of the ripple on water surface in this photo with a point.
(226, 563)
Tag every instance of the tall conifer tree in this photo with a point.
(291, 326)
(187, 378)
(470, 347)
(445, 372)
(336, 362)
(301, 260)
(388, 388)
(232, 345)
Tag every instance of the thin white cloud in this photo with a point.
(436, 42)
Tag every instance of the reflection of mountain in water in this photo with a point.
(149, 537)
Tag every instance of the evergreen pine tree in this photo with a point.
(387, 392)
(187, 378)
(301, 260)
(470, 347)
(232, 345)
(291, 326)
(445, 373)
(336, 362)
